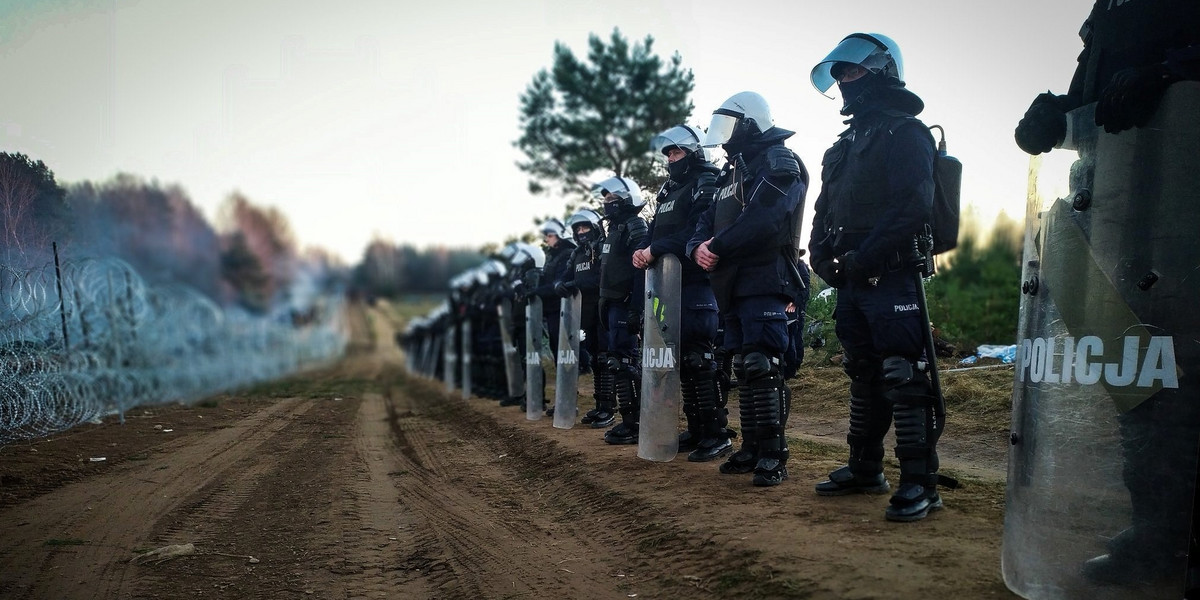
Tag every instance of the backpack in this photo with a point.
(947, 192)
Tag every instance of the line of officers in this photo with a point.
(735, 231)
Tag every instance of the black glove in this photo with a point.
(1131, 97)
(1044, 125)
(518, 291)
(633, 324)
(565, 288)
(828, 271)
(851, 269)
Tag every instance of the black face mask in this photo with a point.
(856, 93)
(678, 169)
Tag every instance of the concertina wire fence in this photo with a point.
(113, 342)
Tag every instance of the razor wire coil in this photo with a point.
(111, 342)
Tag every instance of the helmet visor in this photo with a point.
(853, 49)
(721, 129)
(681, 137)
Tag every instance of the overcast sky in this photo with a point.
(396, 119)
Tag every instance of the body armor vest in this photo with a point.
(585, 261)
(616, 258)
(855, 171)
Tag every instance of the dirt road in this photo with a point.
(359, 481)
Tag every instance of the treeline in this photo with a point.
(251, 258)
(392, 270)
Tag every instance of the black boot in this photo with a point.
(870, 418)
(625, 386)
(714, 442)
(769, 405)
(689, 371)
(604, 413)
(690, 437)
(746, 457)
(1133, 559)
(916, 437)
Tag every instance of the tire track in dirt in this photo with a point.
(482, 536)
(101, 520)
(682, 529)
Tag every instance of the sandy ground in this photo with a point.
(360, 481)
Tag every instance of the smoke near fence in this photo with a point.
(83, 339)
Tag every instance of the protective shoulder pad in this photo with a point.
(782, 162)
(637, 229)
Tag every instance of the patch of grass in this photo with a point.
(65, 542)
(307, 387)
(984, 396)
(814, 449)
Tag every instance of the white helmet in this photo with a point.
(626, 191)
(585, 215)
(742, 110)
(528, 255)
(492, 269)
(874, 52)
(684, 137)
(555, 227)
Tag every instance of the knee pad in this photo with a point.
(864, 370)
(759, 365)
(897, 371)
(696, 361)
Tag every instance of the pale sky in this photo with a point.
(396, 119)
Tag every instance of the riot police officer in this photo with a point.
(681, 202)
(1133, 52)
(620, 300)
(558, 262)
(584, 276)
(877, 194)
(747, 241)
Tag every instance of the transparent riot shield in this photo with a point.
(566, 382)
(534, 375)
(449, 360)
(426, 350)
(658, 424)
(435, 353)
(1106, 406)
(466, 358)
(512, 362)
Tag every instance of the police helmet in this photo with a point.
(584, 216)
(874, 52)
(492, 270)
(684, 137)
(507, 253)
(555, 227)
(528, 255)
(742, 112)
(621, 192)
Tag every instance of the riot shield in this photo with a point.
(534, 376)
(466, 358)
(449, 360)
(566, 381)
(1106, 422)
(658, 424)
(512, 362)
